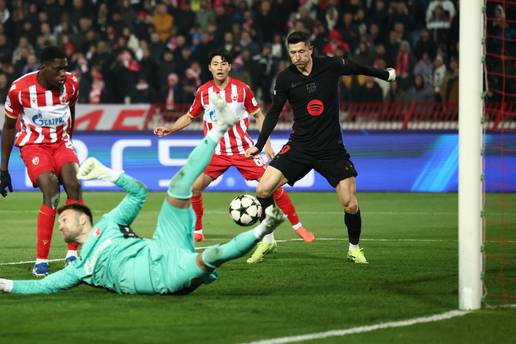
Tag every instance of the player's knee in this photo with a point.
(263, 191)
(351, 207)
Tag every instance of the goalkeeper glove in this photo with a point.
(6, 285)
(5, 183)
(91, 168)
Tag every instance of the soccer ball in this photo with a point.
(245, 210)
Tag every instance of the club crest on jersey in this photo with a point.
(96, 233)
(35, 161)
(311, 87)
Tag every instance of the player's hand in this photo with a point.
(91, 168)
(162, 131)
(5, 183)
(392, 74)
(6, 285)
(251, 152)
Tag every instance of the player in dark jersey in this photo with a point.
(311, 87)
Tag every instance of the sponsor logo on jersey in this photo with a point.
(50, 122)
(315, 107)
(211, 115)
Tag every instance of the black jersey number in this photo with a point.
(127, 231)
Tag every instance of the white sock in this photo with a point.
(269, 238)
(71, 253)
(198, 231)
(297, 226)
(39, 260)
(217, 132)
(353, 247)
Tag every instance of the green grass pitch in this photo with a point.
(410, 241)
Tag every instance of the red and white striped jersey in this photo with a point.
(241, 99)
(45, 114)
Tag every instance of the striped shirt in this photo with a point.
(241, 99)
(44, 114)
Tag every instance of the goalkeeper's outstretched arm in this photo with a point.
(127, 210)
(53, 283)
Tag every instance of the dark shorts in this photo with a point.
(295, 163)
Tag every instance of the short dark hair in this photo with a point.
(297, 37)
(51, 52)
(223, 53)
(81, 208)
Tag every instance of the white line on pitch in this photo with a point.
(362, 329)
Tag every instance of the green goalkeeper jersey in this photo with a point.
(114, 257)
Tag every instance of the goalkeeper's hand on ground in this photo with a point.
(6, 285)
(91, 168)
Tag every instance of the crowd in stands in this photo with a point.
(150, 51)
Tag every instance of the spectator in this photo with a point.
(424, 67)
(205, 15)
(395, 94)
(142, 92)
(370, 92)
(163, 22)
(419, 92)
(449, 91)
(438, 76)
(172, 93)
(425, 44)
(4, 86)
(97, 85)
(335, 43)
(404, 65)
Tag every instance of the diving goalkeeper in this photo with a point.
(114, 257)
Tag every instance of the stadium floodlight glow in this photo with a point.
(470, 162)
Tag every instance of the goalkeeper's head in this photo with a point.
(75, 222)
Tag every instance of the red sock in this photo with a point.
(46, 219)
(73, 245)
(282, 198)
(199, 210)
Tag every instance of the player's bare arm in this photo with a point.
(259, 118)
(181, 123)
(8, 133)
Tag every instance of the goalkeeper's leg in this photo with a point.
(180, 186)
(214, 256)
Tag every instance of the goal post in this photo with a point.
(470, 159)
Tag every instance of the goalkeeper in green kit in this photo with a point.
(114, 257)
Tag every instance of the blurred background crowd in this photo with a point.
(149, 51)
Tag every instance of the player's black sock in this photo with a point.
(265, 203)
(354, 224)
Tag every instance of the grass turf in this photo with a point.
(410, 241)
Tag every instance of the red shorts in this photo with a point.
(49, 157)
(250, 169)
